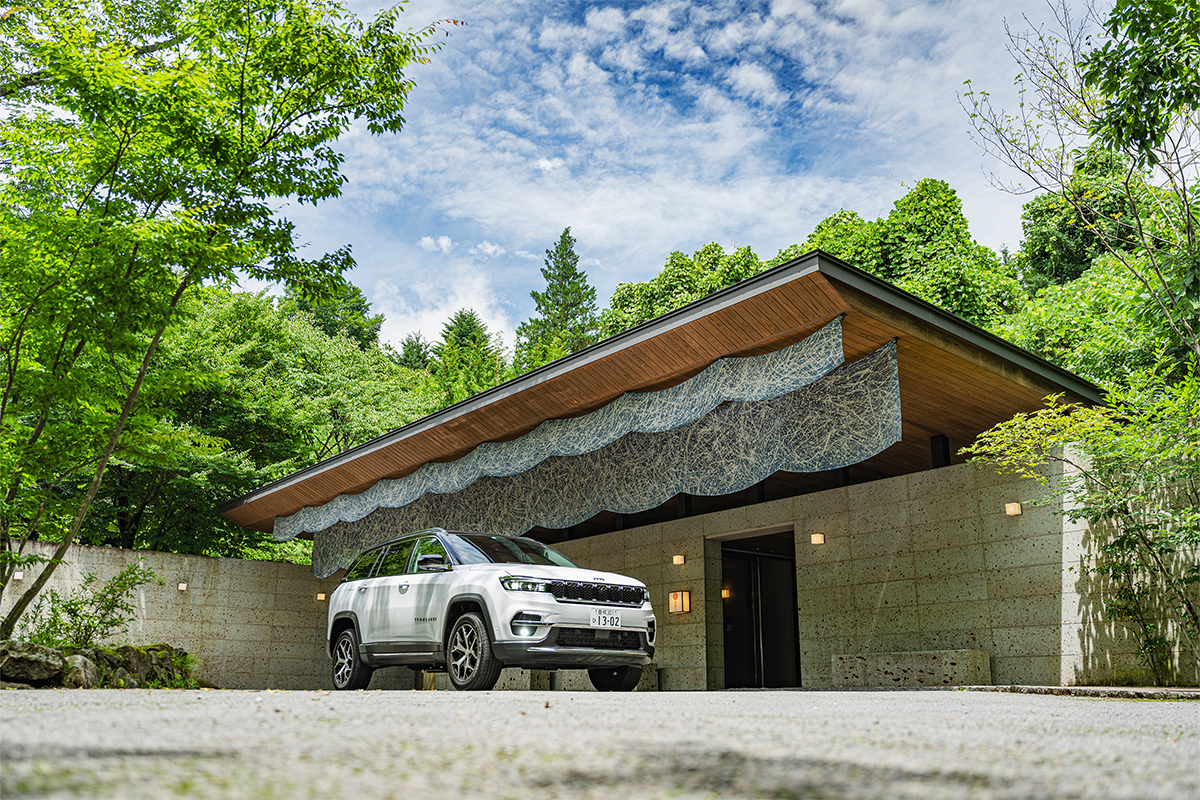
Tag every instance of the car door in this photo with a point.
(357, 586)
(387, 604)
(428, 589)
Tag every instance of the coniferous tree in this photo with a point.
(566, 318)
(415, 352)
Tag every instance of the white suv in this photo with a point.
(472, 604)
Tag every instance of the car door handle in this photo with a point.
(403, 588)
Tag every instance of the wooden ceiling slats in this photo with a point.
(947, 385)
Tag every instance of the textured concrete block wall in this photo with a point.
(922, 562)
(253, 624)
(688, 651)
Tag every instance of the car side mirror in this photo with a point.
(432, 562)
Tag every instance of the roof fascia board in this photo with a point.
(924, 311)
(763, 282)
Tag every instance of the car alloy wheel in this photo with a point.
(469, 658)
(348, 670)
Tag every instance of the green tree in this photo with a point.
(347, 312)
(1135, 96)
(415, 352)
(566, 320)
(1090, 325)
(467, 360)
(281, 394)
(1131, 470)
(683, 280)
(147, 149)
(1061, 237)
(924, 246)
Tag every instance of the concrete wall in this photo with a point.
(253, 624)
(921, 562)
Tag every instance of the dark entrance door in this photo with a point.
(759, 597)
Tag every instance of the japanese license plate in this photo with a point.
(605, 618)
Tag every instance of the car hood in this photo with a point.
(560, 573)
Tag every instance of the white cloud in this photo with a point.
(425, 306)
(681, 123)
(751, 80)
(441, 243)
(486, 248)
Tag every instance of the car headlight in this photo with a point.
(645, 595)
(523, 584)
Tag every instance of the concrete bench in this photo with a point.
(924, 668)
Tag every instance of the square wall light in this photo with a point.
(320, 595)
(679, 602)
(817, 538)
(678, 560)
(183, 587)
(18, 575)
(1012, 509)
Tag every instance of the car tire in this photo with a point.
(469, 659)
(615, 679)
(349, 672)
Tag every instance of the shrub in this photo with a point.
(89, 613)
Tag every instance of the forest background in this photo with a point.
(143, 389)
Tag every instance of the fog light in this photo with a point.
(524, 624)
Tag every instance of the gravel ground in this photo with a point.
(529, 745)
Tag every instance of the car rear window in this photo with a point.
(479, 548)
(362, 567)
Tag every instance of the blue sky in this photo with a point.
(655, 126)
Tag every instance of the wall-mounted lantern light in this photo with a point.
(1012, 509)
(724, 594)
(680, 602)
(817, 538)
(320, 595)
(678, 560)
(19, 575)
(183, 587)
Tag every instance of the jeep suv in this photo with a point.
(471, 604)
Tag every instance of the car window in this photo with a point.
(362, 567)
(395, 560)
(478, 548)
(429, 546)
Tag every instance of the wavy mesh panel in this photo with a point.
(729, 379)
(844, 418)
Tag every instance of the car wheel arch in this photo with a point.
(464, 604)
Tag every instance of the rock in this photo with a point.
(139, 662)
(80, 673)
(121, 679)
(7, 685)
(25, 662)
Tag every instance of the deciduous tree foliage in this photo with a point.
(1133, 99)
(682, 281)
(347, 313)
(924, 246)
(146, 145)
(1136, 96)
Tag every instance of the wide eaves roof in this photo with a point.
(955, 379)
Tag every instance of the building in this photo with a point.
(785, 452)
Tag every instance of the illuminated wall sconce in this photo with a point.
(19, 575)
(680, 602)
(320, 595)
(677, 560)
(1012, 509)
(817, 538)
(724, 594)
(183, 587)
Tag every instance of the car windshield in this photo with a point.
(480, 548)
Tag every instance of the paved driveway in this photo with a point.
(566, 744)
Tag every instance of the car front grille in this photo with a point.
(598, 639)
(588, 592)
